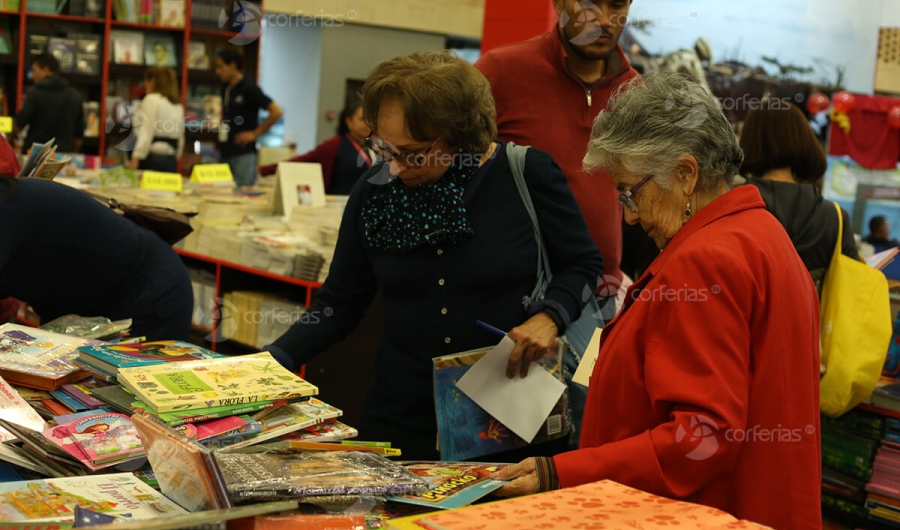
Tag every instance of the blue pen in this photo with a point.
(487, 327)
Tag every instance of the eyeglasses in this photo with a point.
(625, 198)
(387, 152)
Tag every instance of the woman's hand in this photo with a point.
(533, 339)
(524, 479)
(132, 163)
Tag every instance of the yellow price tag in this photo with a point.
(158, 181)
(6, 124)
(211, 173)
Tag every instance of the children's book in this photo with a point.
(98, 440)
(323, 432)
(54, 500)
(465, 430)
(214, 383)
(283, 421)
(39, 359)
(253, 476)
(110, 358)
(452, 485)
(187, 472)
(236, 518)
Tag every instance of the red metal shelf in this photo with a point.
(9, 12)
(249, 270)
(144, 25)
(69, 18)
(878, 410)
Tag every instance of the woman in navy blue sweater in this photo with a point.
(64, 252)
(441, 229)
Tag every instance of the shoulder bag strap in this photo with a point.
(840, 235)
(516, 155)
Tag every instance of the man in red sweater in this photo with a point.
(549, 89)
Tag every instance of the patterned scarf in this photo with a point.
(403, 218)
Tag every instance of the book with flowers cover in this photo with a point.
(214, 383)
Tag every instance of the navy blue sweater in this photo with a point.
(64, 252)
(434, 294)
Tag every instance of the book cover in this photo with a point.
(465, 430)
(128, 47)
(64, 51)
(87, 53)
(198, 58)
(120, 494)
(256, 476)
(214, 383)
(160, 51)
(171, 13)
(452, 485)
(284, 420)
(38, 358)
(15, 409)
(181, 466)
(98, 439)
(323, 432)
(110, 358)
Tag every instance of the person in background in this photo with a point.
(114, 268)
(160, 129)
(344, 158)
(242, 100)
(707, 387)
(9, 167)
(785, 162)
(52, 108)
(414, 225)
(880, 234)
(568, 74)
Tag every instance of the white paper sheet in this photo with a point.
(586, 366)
(522, 405)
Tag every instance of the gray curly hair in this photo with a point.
(651, 122)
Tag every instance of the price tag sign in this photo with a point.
(204, 173)
(158, 181)
(6, 124)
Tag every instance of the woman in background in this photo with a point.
(343, 157)
(159, 124)
(785, 162)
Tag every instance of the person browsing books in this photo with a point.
(64, 252)
(785, 162)
(159, 125)
(880, 234)
(344, 158)
(52, 108)
(707, 382)
(242, 100)
(439, 228)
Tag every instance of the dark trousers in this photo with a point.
(163, 163)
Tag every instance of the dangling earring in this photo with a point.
(687, 210)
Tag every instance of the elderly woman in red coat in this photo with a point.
(707, 384)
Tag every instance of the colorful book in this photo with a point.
(283, 421)
(98, 440)
(187, 472)
(214, 383)
(465, 430)
(452, 485)
(252, 476)
(54, 500)
(110, 358)
(39, 359)
(323, 432)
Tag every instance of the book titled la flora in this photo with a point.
(214, 383)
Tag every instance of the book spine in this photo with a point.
(174, 421)
(85, 399)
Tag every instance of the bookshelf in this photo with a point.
(108, 79)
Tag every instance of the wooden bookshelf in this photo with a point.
(14, 67)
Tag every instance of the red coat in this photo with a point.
(324, 154)
(707, 384)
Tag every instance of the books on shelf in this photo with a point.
(159, 50)
(127, 47)
(87, 56)
(198, 57)
(64, 51)
(171, 13)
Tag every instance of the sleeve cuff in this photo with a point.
(546, 473)
(556, 310)
(283, 357)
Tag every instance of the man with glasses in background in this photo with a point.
(569, 73)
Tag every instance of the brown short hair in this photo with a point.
(165, 82)
(443, 96)
(778, 135)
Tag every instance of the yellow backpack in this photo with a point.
(856, 330)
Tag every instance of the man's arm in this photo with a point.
(275, 114)
(25, 116)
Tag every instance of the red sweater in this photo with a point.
(540, 103)
(707, 384)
